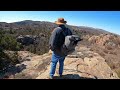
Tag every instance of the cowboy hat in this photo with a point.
(60, 21)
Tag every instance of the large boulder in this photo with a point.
(26, 40)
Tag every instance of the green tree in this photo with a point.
(8, 42)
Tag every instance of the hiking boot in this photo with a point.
(50, 77)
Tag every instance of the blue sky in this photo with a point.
(107, 20)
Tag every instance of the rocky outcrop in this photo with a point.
(30, 39)
(82, 64)
(105, 40)
(27, 39)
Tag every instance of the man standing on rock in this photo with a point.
(56, 42)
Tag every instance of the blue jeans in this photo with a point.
(55, 58)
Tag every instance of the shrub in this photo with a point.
(8, 42)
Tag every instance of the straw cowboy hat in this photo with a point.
(60, 21)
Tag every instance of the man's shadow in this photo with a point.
(71, 76)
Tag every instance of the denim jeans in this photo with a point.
(55, 58)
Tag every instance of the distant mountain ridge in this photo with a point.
(51, 25)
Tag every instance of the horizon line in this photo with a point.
(50, 22)
(66, 24)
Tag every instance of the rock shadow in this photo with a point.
(71, 76)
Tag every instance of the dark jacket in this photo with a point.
(58, 37)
